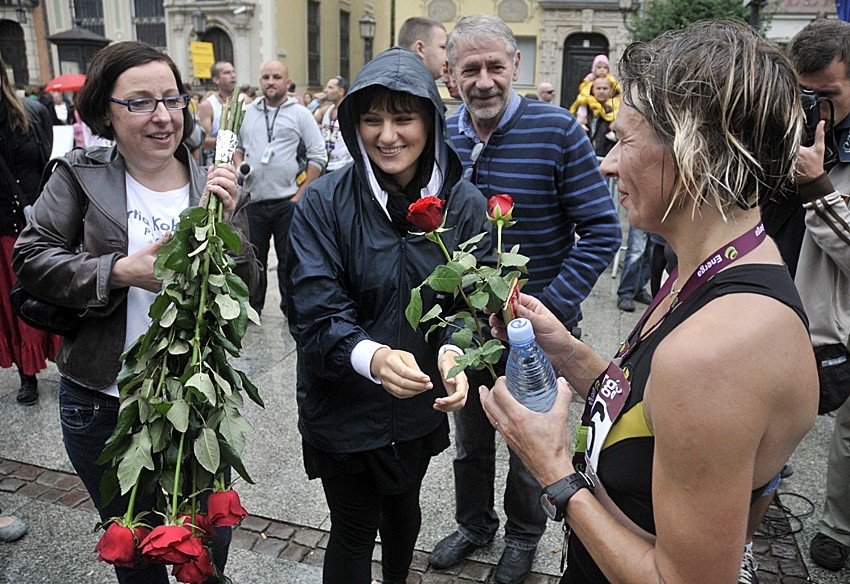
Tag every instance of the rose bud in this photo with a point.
(500, 207)
(224, 509)
(426, 213)
(118, 545)
(194, 571)
(171, 544)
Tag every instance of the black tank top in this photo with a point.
(625, 462)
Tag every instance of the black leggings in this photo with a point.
(358, 513)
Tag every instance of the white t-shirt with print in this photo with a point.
(150, 215)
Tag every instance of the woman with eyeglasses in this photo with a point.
(93, 238)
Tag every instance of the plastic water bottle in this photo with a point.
(530, 377)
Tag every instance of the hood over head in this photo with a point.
(397, 69)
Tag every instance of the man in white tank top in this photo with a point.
(209, 111)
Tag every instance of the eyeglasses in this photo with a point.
(146, 105)
(549, 91)
(473, 157)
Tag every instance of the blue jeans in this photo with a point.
(267, 219)
(475, 473)
(88, 419)
(636, 264)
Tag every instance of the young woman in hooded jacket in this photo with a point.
(372, 392)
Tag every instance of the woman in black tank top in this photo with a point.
(712, 391)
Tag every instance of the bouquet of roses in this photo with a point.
(179, 425)
(480, 286)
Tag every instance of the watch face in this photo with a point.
(548, 506)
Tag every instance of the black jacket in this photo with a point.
(349, 276)
(26, 173)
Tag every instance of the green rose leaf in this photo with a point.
(462, 338)
(230, 457)
(470, 242)
(178, 415)
(228, 308)
(444, 279)
(433, 313)
(207, 451)
(178, 347)
(203, 383)
(514, 260)
(479, 299)
(234, 427)
(168, 318)
(229, 237)
(137, 457)
(413, 312)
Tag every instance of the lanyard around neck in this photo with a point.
(270, 127)
(721, 258)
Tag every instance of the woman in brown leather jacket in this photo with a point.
(132, 195)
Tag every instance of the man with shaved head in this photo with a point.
(546, 92)
(266, 157)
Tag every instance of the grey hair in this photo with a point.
(726, 104)
(477, 29)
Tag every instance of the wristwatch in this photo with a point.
(555, 497)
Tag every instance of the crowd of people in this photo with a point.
(700, 137)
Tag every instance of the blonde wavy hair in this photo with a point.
(726, 104)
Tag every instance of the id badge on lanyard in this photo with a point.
(606, 401)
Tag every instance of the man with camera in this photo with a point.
(821, 56)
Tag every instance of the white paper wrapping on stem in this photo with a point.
(225, 146)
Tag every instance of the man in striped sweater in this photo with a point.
(539, 155)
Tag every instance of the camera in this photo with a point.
(812, 112)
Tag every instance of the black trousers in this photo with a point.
(358, 513)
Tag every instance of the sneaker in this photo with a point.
(626, 304)
(828, 553)
(748, 573)
(643, 297)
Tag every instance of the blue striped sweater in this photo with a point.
(542, 158)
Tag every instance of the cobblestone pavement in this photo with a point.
(779, 558)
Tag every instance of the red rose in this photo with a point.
(194, 571)
(426, 213)
(224, 509)
(500, 206)
(204, 530)
(118, 545)
(171, 544)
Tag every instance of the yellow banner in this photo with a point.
(202, 58)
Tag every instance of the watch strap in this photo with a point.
(559, 493)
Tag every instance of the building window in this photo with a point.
(149, 20)
(528, 48)
(344, 43)
(88, 14)
(314, 61)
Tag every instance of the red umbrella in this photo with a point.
(66, 82)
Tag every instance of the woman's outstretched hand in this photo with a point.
(399, 373)
(457, 387)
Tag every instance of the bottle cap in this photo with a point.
(520, 331)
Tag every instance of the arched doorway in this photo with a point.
(579, 51)
(13, 51)
(222, 45)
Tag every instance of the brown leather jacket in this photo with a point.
(47, 265)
